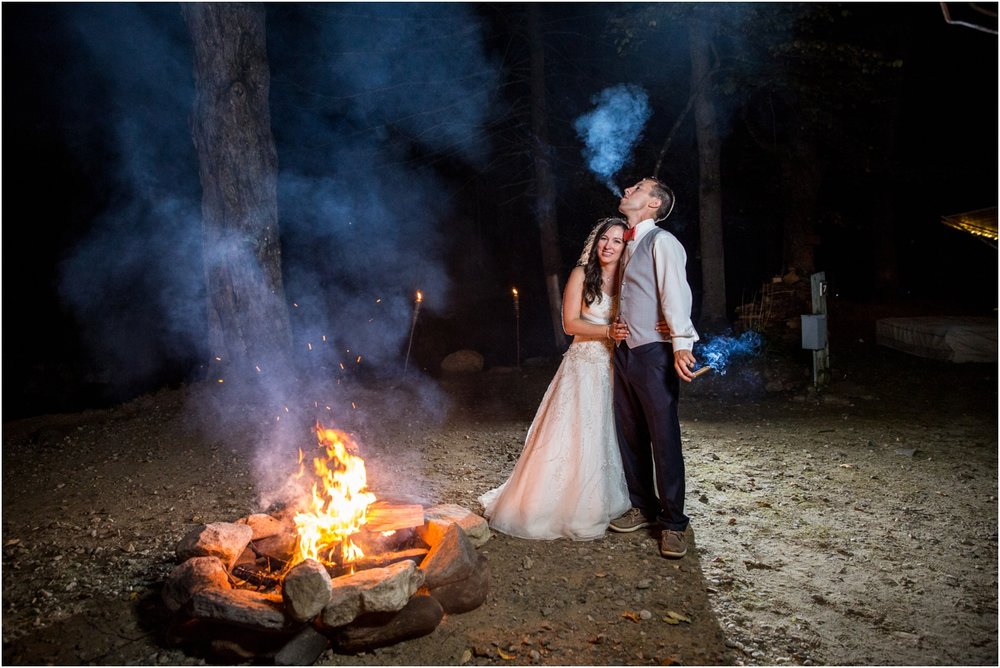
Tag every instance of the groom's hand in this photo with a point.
(619, 330)
(684, 362)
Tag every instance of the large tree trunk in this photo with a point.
(713, 268)
(249, 329)
(802, 175)
(545, 207)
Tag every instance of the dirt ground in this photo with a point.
(857, 525)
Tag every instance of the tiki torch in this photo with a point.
(413, 326)
(517, 326)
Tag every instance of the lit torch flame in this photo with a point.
(338, 504)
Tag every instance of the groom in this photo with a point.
(648, 365)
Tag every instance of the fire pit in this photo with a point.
(341, 569)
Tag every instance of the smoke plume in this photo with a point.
(719, 351)
(612, 129)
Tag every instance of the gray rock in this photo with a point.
(465, 595)
(462, 361)
(389, 589)
(306, 590)
(440, 516)
(420, 616)
(241, 607)
(191, 577)
(375, 590)
(303, 649)
(452, 559)
(263, 525)
(344, 605)
(224, 540)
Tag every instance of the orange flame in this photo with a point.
(420, 296)
(337, 507)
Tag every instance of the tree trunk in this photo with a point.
(802, 175)
(545, 206)
(249, 328)
(713, 268)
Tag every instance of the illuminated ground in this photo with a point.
(858, 526)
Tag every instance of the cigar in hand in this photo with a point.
(701, 372)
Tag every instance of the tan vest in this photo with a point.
(638, 298)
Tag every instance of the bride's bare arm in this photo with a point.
(572, 310)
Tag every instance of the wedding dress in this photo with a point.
(568, 481)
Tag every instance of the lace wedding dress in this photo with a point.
(568, 481)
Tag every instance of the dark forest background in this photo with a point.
(406, 146)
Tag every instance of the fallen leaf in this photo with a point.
(600, 575)
(634, 616)
(676, 617)
(847, 466)
(505, 655)
(466, 656)
(670, 620)
(12, 541)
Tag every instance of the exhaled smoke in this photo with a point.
(612, 129)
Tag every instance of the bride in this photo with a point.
(568, 481)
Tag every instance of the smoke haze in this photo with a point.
(358, 92)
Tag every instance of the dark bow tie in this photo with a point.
(629, 234)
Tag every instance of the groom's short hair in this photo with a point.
(662, 192)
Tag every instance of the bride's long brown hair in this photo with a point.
(592, 269)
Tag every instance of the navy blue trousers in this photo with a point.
(649, 431)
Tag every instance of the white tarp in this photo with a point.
(950, 338)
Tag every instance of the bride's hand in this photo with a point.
(662, 327)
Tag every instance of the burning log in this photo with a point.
(385, 516)
(416, 555)
(256, 576)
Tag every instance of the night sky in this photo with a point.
(403, 140)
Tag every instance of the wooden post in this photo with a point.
(821, 358)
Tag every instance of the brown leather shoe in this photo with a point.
(673, 544)
(632, 520)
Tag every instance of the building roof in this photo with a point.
(981, 223)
